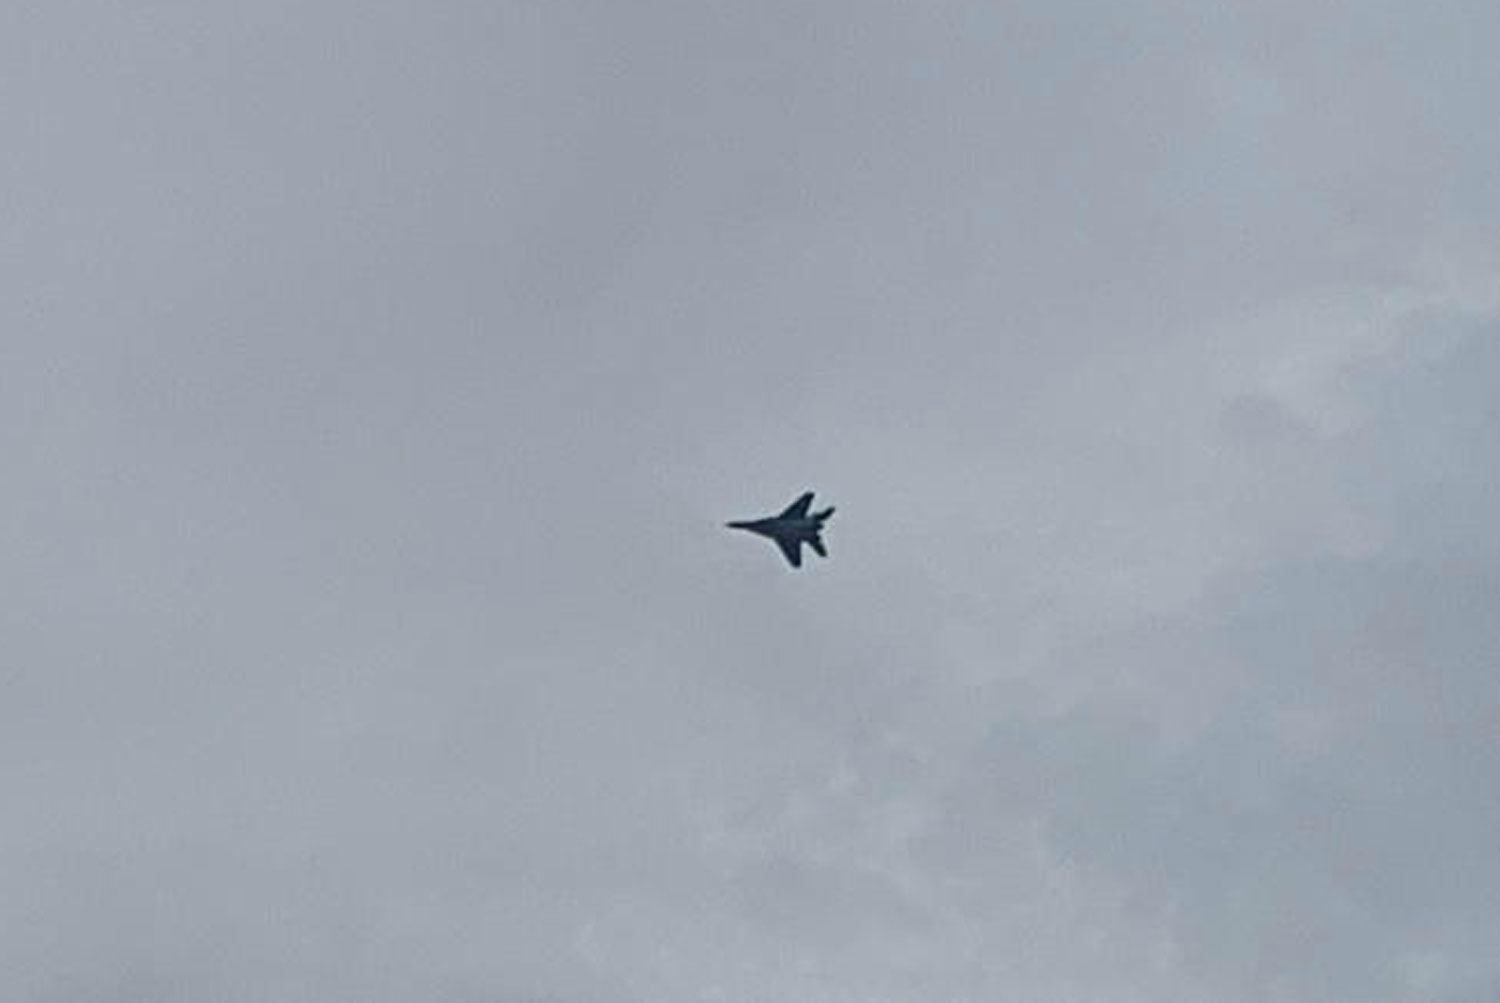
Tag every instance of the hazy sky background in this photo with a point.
(375, 379)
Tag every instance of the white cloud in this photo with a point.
(379, 379)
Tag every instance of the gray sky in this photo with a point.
(375, 379)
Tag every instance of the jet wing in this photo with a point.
(792, 549)
(798, 508)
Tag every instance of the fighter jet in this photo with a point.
(791, 529)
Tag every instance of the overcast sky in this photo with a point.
(375, 379)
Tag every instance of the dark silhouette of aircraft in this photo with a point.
(792, 528)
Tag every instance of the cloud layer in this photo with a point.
(376, 380)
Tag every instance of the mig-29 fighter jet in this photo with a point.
(792, 528)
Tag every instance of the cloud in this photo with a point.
(378, 382)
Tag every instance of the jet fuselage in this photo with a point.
(791, 529)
